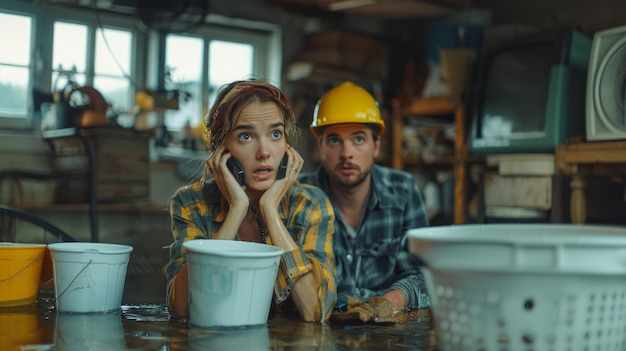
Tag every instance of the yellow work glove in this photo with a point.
(355, 310)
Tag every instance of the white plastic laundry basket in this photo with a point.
(530, 287)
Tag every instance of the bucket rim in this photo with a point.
(82, 247)
(195, 246)
(545, 234)
(12, 245)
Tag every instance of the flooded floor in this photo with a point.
(147, 327)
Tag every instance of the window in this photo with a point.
(198, 65)
(111, 65)
(51, 45)
(15, 33)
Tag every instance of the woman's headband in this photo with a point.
(234, 93)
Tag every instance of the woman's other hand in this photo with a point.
(275, 193)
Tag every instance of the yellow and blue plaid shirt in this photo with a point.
(198, 211)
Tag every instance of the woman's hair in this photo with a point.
(234, 97)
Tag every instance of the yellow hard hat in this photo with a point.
(346, 103)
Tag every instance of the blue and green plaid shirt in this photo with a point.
(375, 259)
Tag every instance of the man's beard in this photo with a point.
(348, 183)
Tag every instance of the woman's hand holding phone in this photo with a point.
(228, 184)
(275, 193)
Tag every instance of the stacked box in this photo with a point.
(344, 49)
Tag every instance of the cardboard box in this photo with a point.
(518, 191)
(357, 52)
(352, 61)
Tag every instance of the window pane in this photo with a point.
(69, 46)
(116, 91)
(15, 33)
(113, 52)
(228, 61)
(15, 39)
(184, 57)
(13, 91)
(60, 81)
(188, 111)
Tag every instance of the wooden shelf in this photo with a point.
(417, 161)
(102, 208)
(432, 107)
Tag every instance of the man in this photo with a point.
(374, 205)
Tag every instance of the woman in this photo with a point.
(249, 125)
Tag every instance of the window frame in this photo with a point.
(18, 122)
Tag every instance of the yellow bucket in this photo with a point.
(20, 272)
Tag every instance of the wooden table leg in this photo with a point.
(578, 205)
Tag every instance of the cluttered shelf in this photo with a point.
(425, 110)
(414, 160)
(445, 145)
(445, 161)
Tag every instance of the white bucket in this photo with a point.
(231, 283)
(89, 277)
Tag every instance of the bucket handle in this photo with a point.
(38, 258)
(73, 280)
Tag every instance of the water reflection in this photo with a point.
(254, 338)
(150, 328)
(300, 336)
(89, 331)
(19, 326)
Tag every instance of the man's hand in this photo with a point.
(396, 298)
(384, 310)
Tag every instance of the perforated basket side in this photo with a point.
(484, 311)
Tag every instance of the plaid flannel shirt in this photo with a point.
(198, 210)
(375, 259)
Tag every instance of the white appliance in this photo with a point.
(606, 86)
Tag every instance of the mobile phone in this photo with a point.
(282, 169)
(237, 170)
